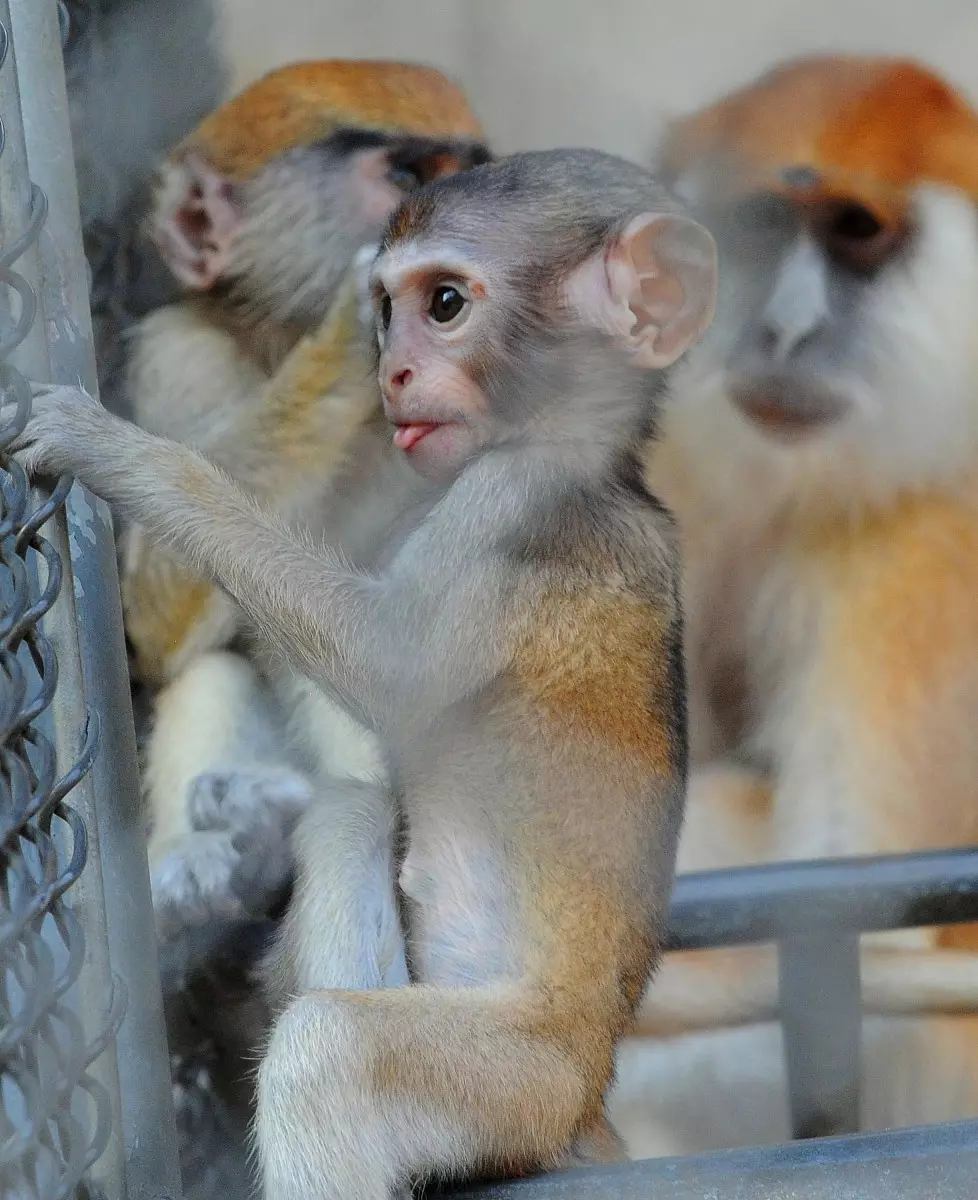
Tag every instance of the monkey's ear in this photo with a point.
(194, 222)
(654, 288)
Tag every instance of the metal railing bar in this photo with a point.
(938, 1162)
(765, 903)
(147, 1123)
(821, 1020)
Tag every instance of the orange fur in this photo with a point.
(892, 647)
(164, 603)
(874, 129)
(598, 661)
(298, 104)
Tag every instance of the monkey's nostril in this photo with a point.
(401, 379)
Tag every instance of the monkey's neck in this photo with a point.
(592, 429)
(265, 343)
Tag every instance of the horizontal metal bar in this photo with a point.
(765, 903)
(935, 1163)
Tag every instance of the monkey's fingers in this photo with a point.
(63, 423)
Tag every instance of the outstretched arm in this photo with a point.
(382, 646)
(310, 605)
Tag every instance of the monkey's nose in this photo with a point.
(400, 379)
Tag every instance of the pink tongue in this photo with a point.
(406, 435)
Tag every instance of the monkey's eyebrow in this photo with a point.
(408, 262)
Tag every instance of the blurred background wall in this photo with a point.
(596, 72)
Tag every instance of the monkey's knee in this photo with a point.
(317, 1132)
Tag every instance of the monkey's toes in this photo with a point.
(249, 802)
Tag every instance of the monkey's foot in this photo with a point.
(256, 802)
(192, 883)
(257, 810)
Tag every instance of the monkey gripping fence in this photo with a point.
(85, 1095)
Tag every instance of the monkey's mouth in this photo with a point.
(787, 408)
(407, 436)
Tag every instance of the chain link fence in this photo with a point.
(85, 1107)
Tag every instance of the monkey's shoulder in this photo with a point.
(600, 647)
(599, 653)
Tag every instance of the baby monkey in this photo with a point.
(518, 652)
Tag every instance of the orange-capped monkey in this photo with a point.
(820, 451)
(260, 214)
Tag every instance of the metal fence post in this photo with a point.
(126, 1146)
(821, 1016)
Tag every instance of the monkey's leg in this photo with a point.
(331, 743)
(215, 771)
(343, 927)
(710, 989)
(360, 1093)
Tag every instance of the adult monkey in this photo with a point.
(260, 214)
(821, 454)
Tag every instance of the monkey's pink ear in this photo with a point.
(654, 288)
(193, 222)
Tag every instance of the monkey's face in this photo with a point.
(509, 298)
(280, 241)
(845, 330)
(432, 315)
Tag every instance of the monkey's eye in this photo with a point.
(858, 239)
(386, 312)
(855, 223)
(403, 178)
(447, 303)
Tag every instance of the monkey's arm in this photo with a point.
(372, 642)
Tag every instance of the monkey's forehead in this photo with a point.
(304, 102)
(875, 128)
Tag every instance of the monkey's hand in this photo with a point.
(66, 431)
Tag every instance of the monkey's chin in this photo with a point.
(786, 409)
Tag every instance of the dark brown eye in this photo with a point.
(446, 304)
(858, 239)
(855, 223)
(386, 312)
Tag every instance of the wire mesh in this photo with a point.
(55, 1116)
